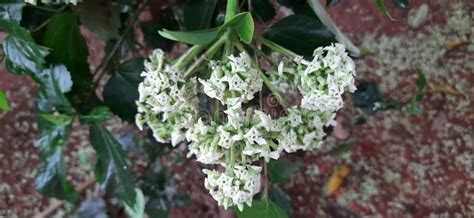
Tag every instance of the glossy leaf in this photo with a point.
(280, 171)
(121, 91)
(402, 4)
(50, 180)
(22, 53)
(11, 11)
(138, 208)
(282, 199)
(300, 33)
(54, 82)
(264, 208)
(198, 14)
(263, 9)
(100, 18)
(331, 2)
(242, 23)
(381, 6)
(97, 115)
(4, 106)
(68, 47)
(111, 169)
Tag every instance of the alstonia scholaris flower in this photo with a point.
(232, 81)
(167, 103)
(246, 137)
(236, 186)
(323, 80)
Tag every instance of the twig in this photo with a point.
(101, 68)
(329, 23)
(49, 19)
(210, 52)
(58, 204)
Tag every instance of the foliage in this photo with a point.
(46, 43)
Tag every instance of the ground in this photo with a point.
(402, 165)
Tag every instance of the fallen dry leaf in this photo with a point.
(447, 90)
(337, 178)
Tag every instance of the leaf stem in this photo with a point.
(265, 180)
(276, 47)
(101, 68)
(231, 9)
(265, 79)
(208, 54)
(185, 58)
(323, 16)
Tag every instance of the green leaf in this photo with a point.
(280, 171)
(341, 149)
(282, 199)
(121, 91)
(11, 11)
(198, 14)
(415, 109)
(264, 208)
(420, 84)
(4, 106)
(331, 2)
(402, 4)
(263, 9)
(68, 46)
(98, 115)
(138, 208)
(300, 33)
(242, 23)
(381, 6)
(54, 82)
(22, 53)
(366, 96)
(50, 180)
(100, 18)
(111, 169)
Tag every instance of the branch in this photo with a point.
(329, 23)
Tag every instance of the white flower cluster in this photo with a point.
(233, 81)
(34, 2)
(236, 186)
(323, 80)
(167, 104)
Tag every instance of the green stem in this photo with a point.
(275, 47)
(188, 56)
(231, 10)
(265, 181)
(207, 55)
(265, 79)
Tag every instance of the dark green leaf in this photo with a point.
(138, 208)
(366, 96)
(50, 180)
(68, 46)
(415, 109)
(22, 53)
(11, 11)
(282, 199)
(381, 6)
(4, 106)
(264, 208)
(98, 115)
(121, 91)
(153, 39)
(242, 23)
(420, 84)
(54, 82)
(331, 2)
(198, 14)
(111, 169)
(300, 33)
(402, 4)
(100, 18)
(280, 171)
(263, 9)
